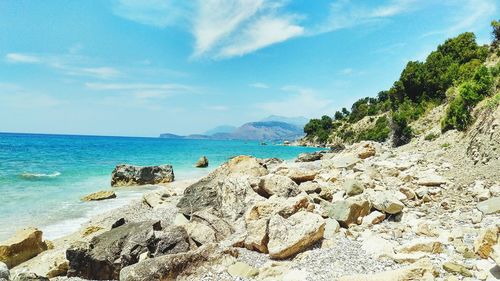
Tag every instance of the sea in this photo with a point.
(43, 177)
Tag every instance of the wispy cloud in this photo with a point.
(160, 13)
(217, 107)
(143, 91)
(259, 85)
(21, 58)
(299, 101)
(15, 96)
(469, 15)
(68, 64)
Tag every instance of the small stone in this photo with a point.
(374, 217)
(241, 269)
(331, 228)
(427, 245)
(490, 206)
(457, 269)
(476, 216)
(99, 195)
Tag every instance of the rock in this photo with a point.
(233, 197)
(100, 195)
(310, 187)
(490, 206)
(479, 191)
(421, 270)
(180, 220)
(288, 237)
(241, 269)
(205, 227)
(353, 187)
(386, 202)
(205, 193)
(366, 151)
(91, 230)
(495, 254)
(332, 227)
(345, 161)
(277, 185)
(59, 267)
(106, 254)
(24, 245)
(309, 157)
(374, 217)
(457, 268)
(119, 222)
(430, 179)
(4, 271)
(29, 276)
(125, 175)
(168, 267)
(202, 162)
(347, 212)
(299, 172)
(485, 242)
(427, 245)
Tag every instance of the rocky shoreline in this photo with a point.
(368, 212)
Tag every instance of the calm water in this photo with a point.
(42, 177)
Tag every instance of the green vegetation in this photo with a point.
(458, 63)
(431, 137)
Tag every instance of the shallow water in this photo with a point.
(43, 177)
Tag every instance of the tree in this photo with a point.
(345, 112)
(326, 122)
(338, 115)
(496, 32)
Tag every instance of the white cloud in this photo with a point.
(15, 96)
(160, 13)
(22, 58)
(301, 102)
(102, 72)
(143, 91)
(259, 85)
(262, 32)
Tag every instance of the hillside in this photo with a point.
(453, 79)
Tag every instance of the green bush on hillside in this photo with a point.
(458, 114)
(380, 132)
(402, 132)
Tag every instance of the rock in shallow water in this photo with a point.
(24, 245)
(125, 175)
(100, 195)
(202, 162)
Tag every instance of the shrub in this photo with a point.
(496, 31)
(431, 137)
(379, 132)
(402, 132)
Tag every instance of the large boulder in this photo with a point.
(288, 237)
(277, 185)
(168, 267)
(202, 162)
(106, 254)
(206, 192)
(24, 245)
(347, 212)
(205, 227)
(125, 175)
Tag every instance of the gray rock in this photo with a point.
(347, 212)
(490, 206)
(386, 202)
(4, 271)
(168, 267)
(205, 193)
(202, 162)
(106, 254)
(277, 185)
(125, 175)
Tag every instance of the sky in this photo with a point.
(145, 67)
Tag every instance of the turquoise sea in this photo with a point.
(43, 177)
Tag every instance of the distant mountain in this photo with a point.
(220, 129)
(258, 131)
(297, 121)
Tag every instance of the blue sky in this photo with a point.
(143, 67)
